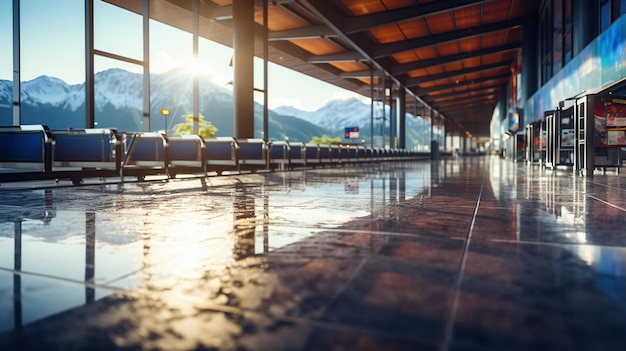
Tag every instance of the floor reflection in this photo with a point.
(287, 257)
(139, 235)
(244, 223)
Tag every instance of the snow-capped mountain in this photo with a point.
(119, 104)
(336, 114)
(339, 114)
(118, 97)
(45, 90)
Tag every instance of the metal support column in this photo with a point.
(383, 118)
(195, 24)
(243, 64)
(17, 113)
(371, 105)
(266, 55)
(89, 66)
(146, 66)
(393, 118)
(402, 119)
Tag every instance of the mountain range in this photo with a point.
(119, 104)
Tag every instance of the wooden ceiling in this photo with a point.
(452, 55)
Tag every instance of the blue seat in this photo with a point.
(297, 154)
(185, 154)
(278, 155)
(324, 154)
(87, 148)
(312, 154)
(252, 154)
(221, 154)
(25, 148)
(335, 157)
(145, 150)
(185, 148)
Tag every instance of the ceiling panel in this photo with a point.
(470, 44)
(454, 66)
(280, 19)
(406, 56)
(396, 4)
(449, 48)
(496, 11)
(349, 66)
(363, 7)
(467, 17)
(318, 46)
(435, 69)
(426, 53)
(440, 23)
(413, 28)
(387, 34)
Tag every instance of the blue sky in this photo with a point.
(52, 43)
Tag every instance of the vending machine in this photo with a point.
(600, 127)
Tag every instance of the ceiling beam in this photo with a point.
(346, 56)
(411, 82)
(365, 22)
(317, 31)
(220, 13)
(406, 45)
(412, 66)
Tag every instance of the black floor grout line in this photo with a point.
(454, 298)
(607, 203)
(349, 281)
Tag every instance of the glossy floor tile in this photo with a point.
(477, 253)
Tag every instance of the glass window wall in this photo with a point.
(216, 76)
(118, 95)
(52, 58)
(6, 65)
(171, 75)
(118, 72)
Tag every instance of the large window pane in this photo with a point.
(117, 30)
(52, 63)
(118, 95)
(6, 64)
(216, 75)
(118, 85)
(171, 79)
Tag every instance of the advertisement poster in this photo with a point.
(610, 122)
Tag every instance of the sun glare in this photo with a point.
(195, 68)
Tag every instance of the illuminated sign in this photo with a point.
(351, 133)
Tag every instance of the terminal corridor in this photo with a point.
(474, 253)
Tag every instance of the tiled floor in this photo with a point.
(470, 254)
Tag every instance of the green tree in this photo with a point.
(205, 128)
(325, 139)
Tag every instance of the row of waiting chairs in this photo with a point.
(31, 152)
